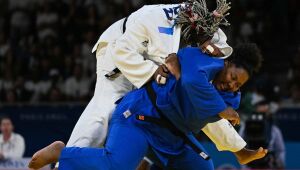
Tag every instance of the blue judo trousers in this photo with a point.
(188, 103)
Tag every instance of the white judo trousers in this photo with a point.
(91, 128)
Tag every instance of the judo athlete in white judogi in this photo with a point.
(152, 33)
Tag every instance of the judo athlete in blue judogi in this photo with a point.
(189, 103)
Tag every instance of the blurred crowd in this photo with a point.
(45, 45)
(45, 56)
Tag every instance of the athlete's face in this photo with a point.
(231, 78)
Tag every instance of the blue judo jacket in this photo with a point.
(188, 103)
(193, 101)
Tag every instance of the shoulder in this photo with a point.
(193, 58)
(161, 6)
(166, 11)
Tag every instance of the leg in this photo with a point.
(91, 128)
(126, 147)
(75, 158)
(189, 160)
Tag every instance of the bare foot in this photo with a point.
(47, 155)
(246, 156)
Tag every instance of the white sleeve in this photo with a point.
(17, 151)
(127, 54)
(224, 136)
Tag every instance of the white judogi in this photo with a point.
(147, 41)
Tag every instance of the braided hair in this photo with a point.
(247, 56)
(196, 20)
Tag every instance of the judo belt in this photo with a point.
(165, 122)
(112, 74)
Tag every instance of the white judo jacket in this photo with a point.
(149, 37)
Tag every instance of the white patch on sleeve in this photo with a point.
(127, 114)
(203, 155)
(210, 48)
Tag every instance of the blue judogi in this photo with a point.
(188, 103)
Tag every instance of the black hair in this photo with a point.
(247, 56)
(194, 15)
(195, 37)
(2, 117)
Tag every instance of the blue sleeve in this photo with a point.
(195, 87)
(232, 99)
(202, 95)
